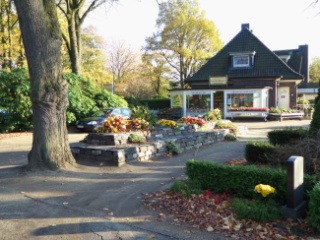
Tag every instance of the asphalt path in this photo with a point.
(101, 202)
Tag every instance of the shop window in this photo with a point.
(197, 104)
(240, 100)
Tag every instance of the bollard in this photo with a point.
(295, 205)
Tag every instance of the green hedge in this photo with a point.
(287, 136)
(155, 104)
(238, 181)
(259, 151)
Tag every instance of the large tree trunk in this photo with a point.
(42, 41)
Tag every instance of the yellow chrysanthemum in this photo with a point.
(264, 190)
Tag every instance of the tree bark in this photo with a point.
(42, 40)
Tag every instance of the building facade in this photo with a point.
(244, 73)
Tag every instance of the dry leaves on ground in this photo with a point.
(213, 214)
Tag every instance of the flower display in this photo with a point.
(113, 124)
(167, 123)
(264, 190)
(116, 124)
(192, 120)
(138, 124)
(252, 109)
(213, 115)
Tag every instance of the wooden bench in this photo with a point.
(249, 114)
(281, 116)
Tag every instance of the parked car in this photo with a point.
(90, 123)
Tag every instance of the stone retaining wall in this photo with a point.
(118, 155)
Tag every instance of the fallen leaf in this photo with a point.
(210, 229)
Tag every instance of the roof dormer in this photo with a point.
(242, 59)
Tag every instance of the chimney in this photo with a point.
(245, 26)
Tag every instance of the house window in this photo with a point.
(241, 61)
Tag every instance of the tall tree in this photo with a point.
(156, 69)
(75, 12)
(185, 38)
(42, 40)
(314, 71)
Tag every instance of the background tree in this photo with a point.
(42, 40)
(159, 73)
(11, 49)
(185, 38)
(94, 57)
(121, 61)
(75, 12)
(314, 71)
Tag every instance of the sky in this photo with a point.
(279, 24)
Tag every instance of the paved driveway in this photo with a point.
(99, 202)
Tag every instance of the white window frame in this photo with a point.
(235, 64)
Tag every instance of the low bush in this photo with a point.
(136, 138)
(314, 210)
(173, 148)
(186, 187)
(144, 113)
(238, 181)
(310, 180)
(259, 211)
(287, 136)
(260, 152)
(230, 137)
(226, 125)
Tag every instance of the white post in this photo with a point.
(184, 104)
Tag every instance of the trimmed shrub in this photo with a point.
(259, 152)
(287, 136)
(314, 210)
(238, 181)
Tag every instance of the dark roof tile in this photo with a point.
(266, 62)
